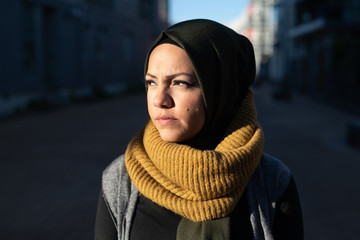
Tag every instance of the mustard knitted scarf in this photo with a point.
(198, 185)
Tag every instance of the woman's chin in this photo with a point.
(171, 136)
(167, 138)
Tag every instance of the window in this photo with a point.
(163, 10)
(29, 45)
(127, 47)
(100, 43)
(147, 9)
(102, 3)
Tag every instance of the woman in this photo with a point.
(197, 170)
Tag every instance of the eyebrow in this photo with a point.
(173, 75)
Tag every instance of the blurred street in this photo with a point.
(51, 164)
(310, 137)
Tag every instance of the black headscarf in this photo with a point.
(224, 64)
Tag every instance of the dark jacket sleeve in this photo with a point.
(288, 221)
(104, 225)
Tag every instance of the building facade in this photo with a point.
(53, 48)
(257, 24)
(317, 49)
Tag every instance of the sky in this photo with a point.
(222, 11)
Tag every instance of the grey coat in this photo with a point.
(265, 187)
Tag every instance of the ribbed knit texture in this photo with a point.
(198, 185)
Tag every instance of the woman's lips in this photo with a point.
(164, 121)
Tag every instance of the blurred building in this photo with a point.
(317, 49)
(53, 48)
(257, 23)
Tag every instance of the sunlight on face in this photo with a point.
(174, 97)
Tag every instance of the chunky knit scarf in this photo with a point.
(198, 185)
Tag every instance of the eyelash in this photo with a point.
(180, 82)
(175, 82)
(149, 82)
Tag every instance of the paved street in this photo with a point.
(51, 164)
(51, 167)
(310, 137)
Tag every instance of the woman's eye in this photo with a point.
(150, 82)
(181, 83)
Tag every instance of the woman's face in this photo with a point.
(174, 98)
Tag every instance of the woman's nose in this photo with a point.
(163, 98)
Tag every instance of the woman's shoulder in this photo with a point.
(268, 186)
(116, 182)
(114, 171)
(272, 175)
(119, 193)
(274, 168)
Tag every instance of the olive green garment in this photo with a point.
(207, 230)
